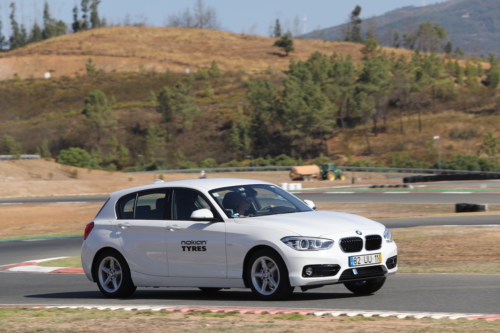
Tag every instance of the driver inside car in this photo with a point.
(239, 202)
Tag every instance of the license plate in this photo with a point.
(364, 260)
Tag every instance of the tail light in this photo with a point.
(88, 229)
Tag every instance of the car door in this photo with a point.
(141, 231)
(195, 248)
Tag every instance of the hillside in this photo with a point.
(472, 25)
(150, 49)
(227, 126)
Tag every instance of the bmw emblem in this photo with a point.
(359, 232)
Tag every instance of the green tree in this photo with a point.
(263, 104)
(85, 14)
(77, 23)
(240, 135)
(95, 21)
(493, 78)
(35, 34)
(3, 40)
(75, 157)
(15, 148)
(286, 43)
(353, 33)
(395, 40)
(207, 90)
(18, 37)
(491, 145)
(448, 48)
(214, 70)
(52, 27)
(90, 67)
(155, 140)
(277, 29)
(99, 114)
(44, 149)
(178, 100)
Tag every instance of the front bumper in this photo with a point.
(297, 260)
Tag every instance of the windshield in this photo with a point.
(257, 200)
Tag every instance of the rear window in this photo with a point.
(148, 205)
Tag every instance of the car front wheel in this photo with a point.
(268, 276)
(365, 287)
(113, 275)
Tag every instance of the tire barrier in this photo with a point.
(455, 177)
(470, 208)
(392, 186)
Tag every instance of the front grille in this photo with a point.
(351, 244)
(373, 242)
(363, 273)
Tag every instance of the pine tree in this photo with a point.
(94, 15)
(286, 43)
(36, 34)
(85, 14)
(277, 29)
(77, 24)
(354, 31)
(3, 41)
(19, 35)
(99, 114)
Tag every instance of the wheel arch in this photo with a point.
(249, 255)
(98, 253)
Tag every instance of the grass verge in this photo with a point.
(67, 320)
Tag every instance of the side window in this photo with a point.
(150, 205)
(186, 202)
(126, 205)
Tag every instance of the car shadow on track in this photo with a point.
(196, 295)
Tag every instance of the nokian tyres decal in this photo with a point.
(199, 246)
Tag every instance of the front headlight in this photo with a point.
(388, 235)
(308, 243)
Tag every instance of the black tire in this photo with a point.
(365, 287)
(209, 290)
(111, 265)
(273, 282)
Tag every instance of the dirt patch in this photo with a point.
(41, 320)
(380, 211)
(25, 220)
(448, 249)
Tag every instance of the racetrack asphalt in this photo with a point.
(402, 292)
(473, 293)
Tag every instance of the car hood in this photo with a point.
(315, 223)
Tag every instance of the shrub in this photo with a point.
(283, 160)
(463, 134)
(230, 164)
(75, 156)
(188, 165)
(208, 163)
(404, 160)
(321, 159)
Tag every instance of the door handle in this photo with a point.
(124, 225)
(173, 227)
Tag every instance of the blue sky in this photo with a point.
(251, 16)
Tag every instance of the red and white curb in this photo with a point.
(31, 266)
(278, 311)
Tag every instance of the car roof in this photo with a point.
(198, 184)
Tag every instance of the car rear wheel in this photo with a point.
(268, 276)
(365, 287)
(113, 275)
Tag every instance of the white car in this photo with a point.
(231, 233)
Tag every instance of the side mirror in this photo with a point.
(310, 204)
(202, 215)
